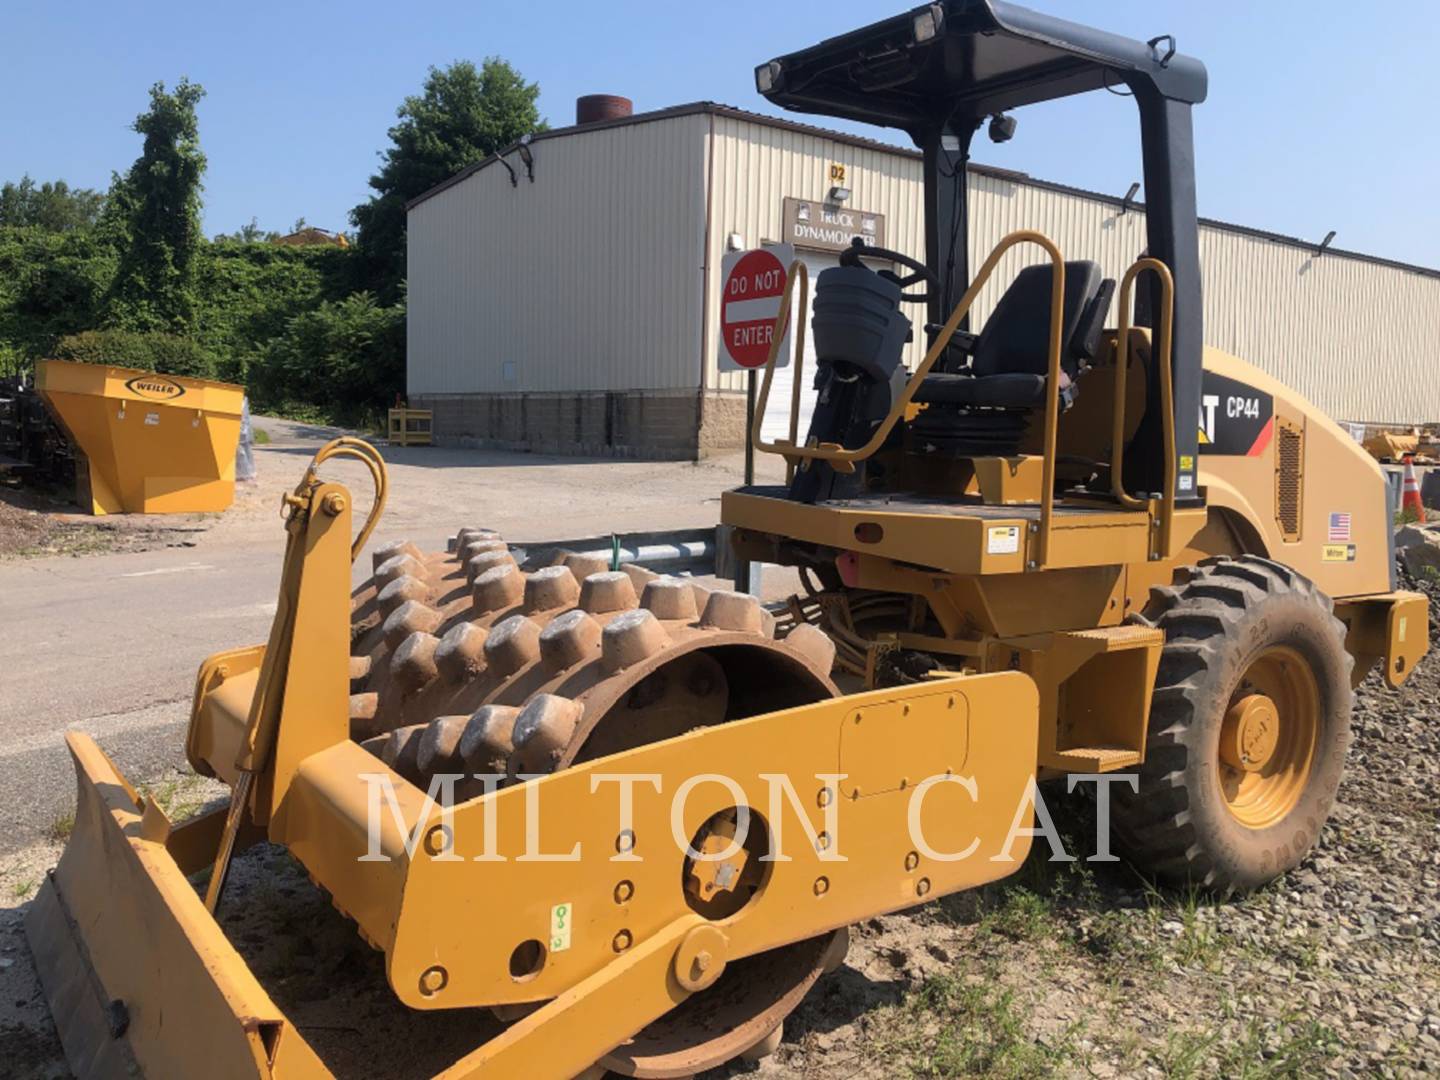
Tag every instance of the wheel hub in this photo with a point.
(1250, 733)
(1268, 738)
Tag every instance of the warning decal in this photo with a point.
(1002, 540)
(560, 919)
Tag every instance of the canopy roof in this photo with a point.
(962, 60)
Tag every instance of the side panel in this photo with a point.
(1342, 543)
(871, 862)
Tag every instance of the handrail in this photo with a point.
(796, 380)
(1161, 357)
(843, 460)
(782, 319)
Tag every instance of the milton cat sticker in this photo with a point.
(1235, 419)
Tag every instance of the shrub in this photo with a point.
(168, 354)
(346, 356)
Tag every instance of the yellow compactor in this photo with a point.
(634, 816)
(151, 444)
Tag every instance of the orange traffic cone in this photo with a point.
(1410, 491)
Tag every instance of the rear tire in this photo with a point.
(1248, 731)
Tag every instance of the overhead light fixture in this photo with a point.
(1325, 243)
(1129, 200)
(527, 156)
(1002, 128)
(767, 76)
(838, 195)
(928, 23)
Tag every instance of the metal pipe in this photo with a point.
(691, 550)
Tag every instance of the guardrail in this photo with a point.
(666, 551)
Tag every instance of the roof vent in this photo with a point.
(595, 108)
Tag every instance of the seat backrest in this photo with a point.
(1016, 337)
(1085, 345)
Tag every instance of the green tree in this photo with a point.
(346, 358)
(463, 115)
(154, 215)
(54, 207)
(248, 234)
(51, 284)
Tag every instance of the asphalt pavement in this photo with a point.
(109, 643)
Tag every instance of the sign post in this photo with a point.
(749, 427)
(751, 286)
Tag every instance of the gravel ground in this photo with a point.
(1064, 969)
(34, 524)
(1083, 969)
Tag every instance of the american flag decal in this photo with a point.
(1339, 528)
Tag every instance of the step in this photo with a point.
(1094, 759)
(1119, 638)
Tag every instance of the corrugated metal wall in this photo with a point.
(598, 276)
(756, 166)
(588, 279)
(1361, 340)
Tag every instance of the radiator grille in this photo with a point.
(1289, 474)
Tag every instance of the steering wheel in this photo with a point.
(851, 257)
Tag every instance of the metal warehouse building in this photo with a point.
(571, 304)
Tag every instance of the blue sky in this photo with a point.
(1322, 114)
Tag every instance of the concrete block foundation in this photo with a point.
(658, 425)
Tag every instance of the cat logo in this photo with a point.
(154, 387)
(1235, 419)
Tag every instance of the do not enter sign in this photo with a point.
(752, 282)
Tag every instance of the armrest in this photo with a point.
(961, 341)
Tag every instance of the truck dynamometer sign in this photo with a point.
(751, 284)
(825, 227)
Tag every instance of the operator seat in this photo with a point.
(983, 409)
(860, 334)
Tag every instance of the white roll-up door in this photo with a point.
(776, 422)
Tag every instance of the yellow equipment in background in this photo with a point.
(409, 427)
(1394, 446)
(153, 444)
